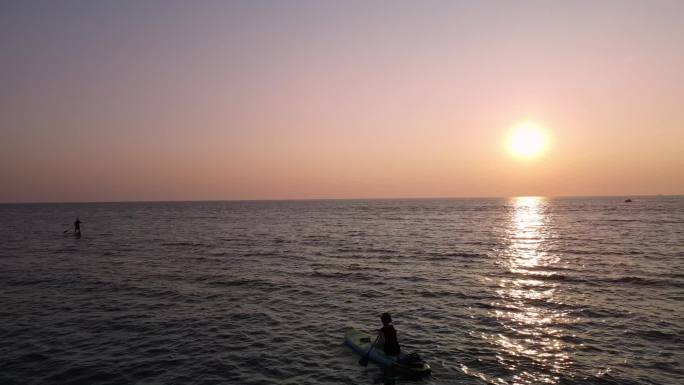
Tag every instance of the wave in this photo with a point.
(441, 294)
(593, 280)
(657, 335)
(241, 282)
(186, 244)
(260, 318)
(641, 281)
(341, 275)
(594, 312)
(455, 255)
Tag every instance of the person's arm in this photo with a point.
(381, 339)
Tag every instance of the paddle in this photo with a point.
(364, 360)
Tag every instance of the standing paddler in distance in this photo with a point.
(77, 227)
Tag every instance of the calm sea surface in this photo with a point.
(500, 291)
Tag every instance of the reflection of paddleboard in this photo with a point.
(360, 342)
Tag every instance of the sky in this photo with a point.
(211, 100)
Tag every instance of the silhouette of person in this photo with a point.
(77, 227)
(388, 335)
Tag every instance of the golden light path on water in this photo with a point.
(530, 347)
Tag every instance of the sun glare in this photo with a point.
(527, 140)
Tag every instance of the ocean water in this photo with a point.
(499, 291)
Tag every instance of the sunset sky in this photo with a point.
(166, 100)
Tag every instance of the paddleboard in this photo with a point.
(360, 342)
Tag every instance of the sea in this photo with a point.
(526, 290)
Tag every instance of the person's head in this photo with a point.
(386, 318)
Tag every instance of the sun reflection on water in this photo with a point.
(531, 347)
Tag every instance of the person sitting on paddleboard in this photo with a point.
(77, 226)
(388, 336)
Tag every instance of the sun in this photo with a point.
(527, 140)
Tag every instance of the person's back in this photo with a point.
(389, 334)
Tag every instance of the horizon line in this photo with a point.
(343, 199)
